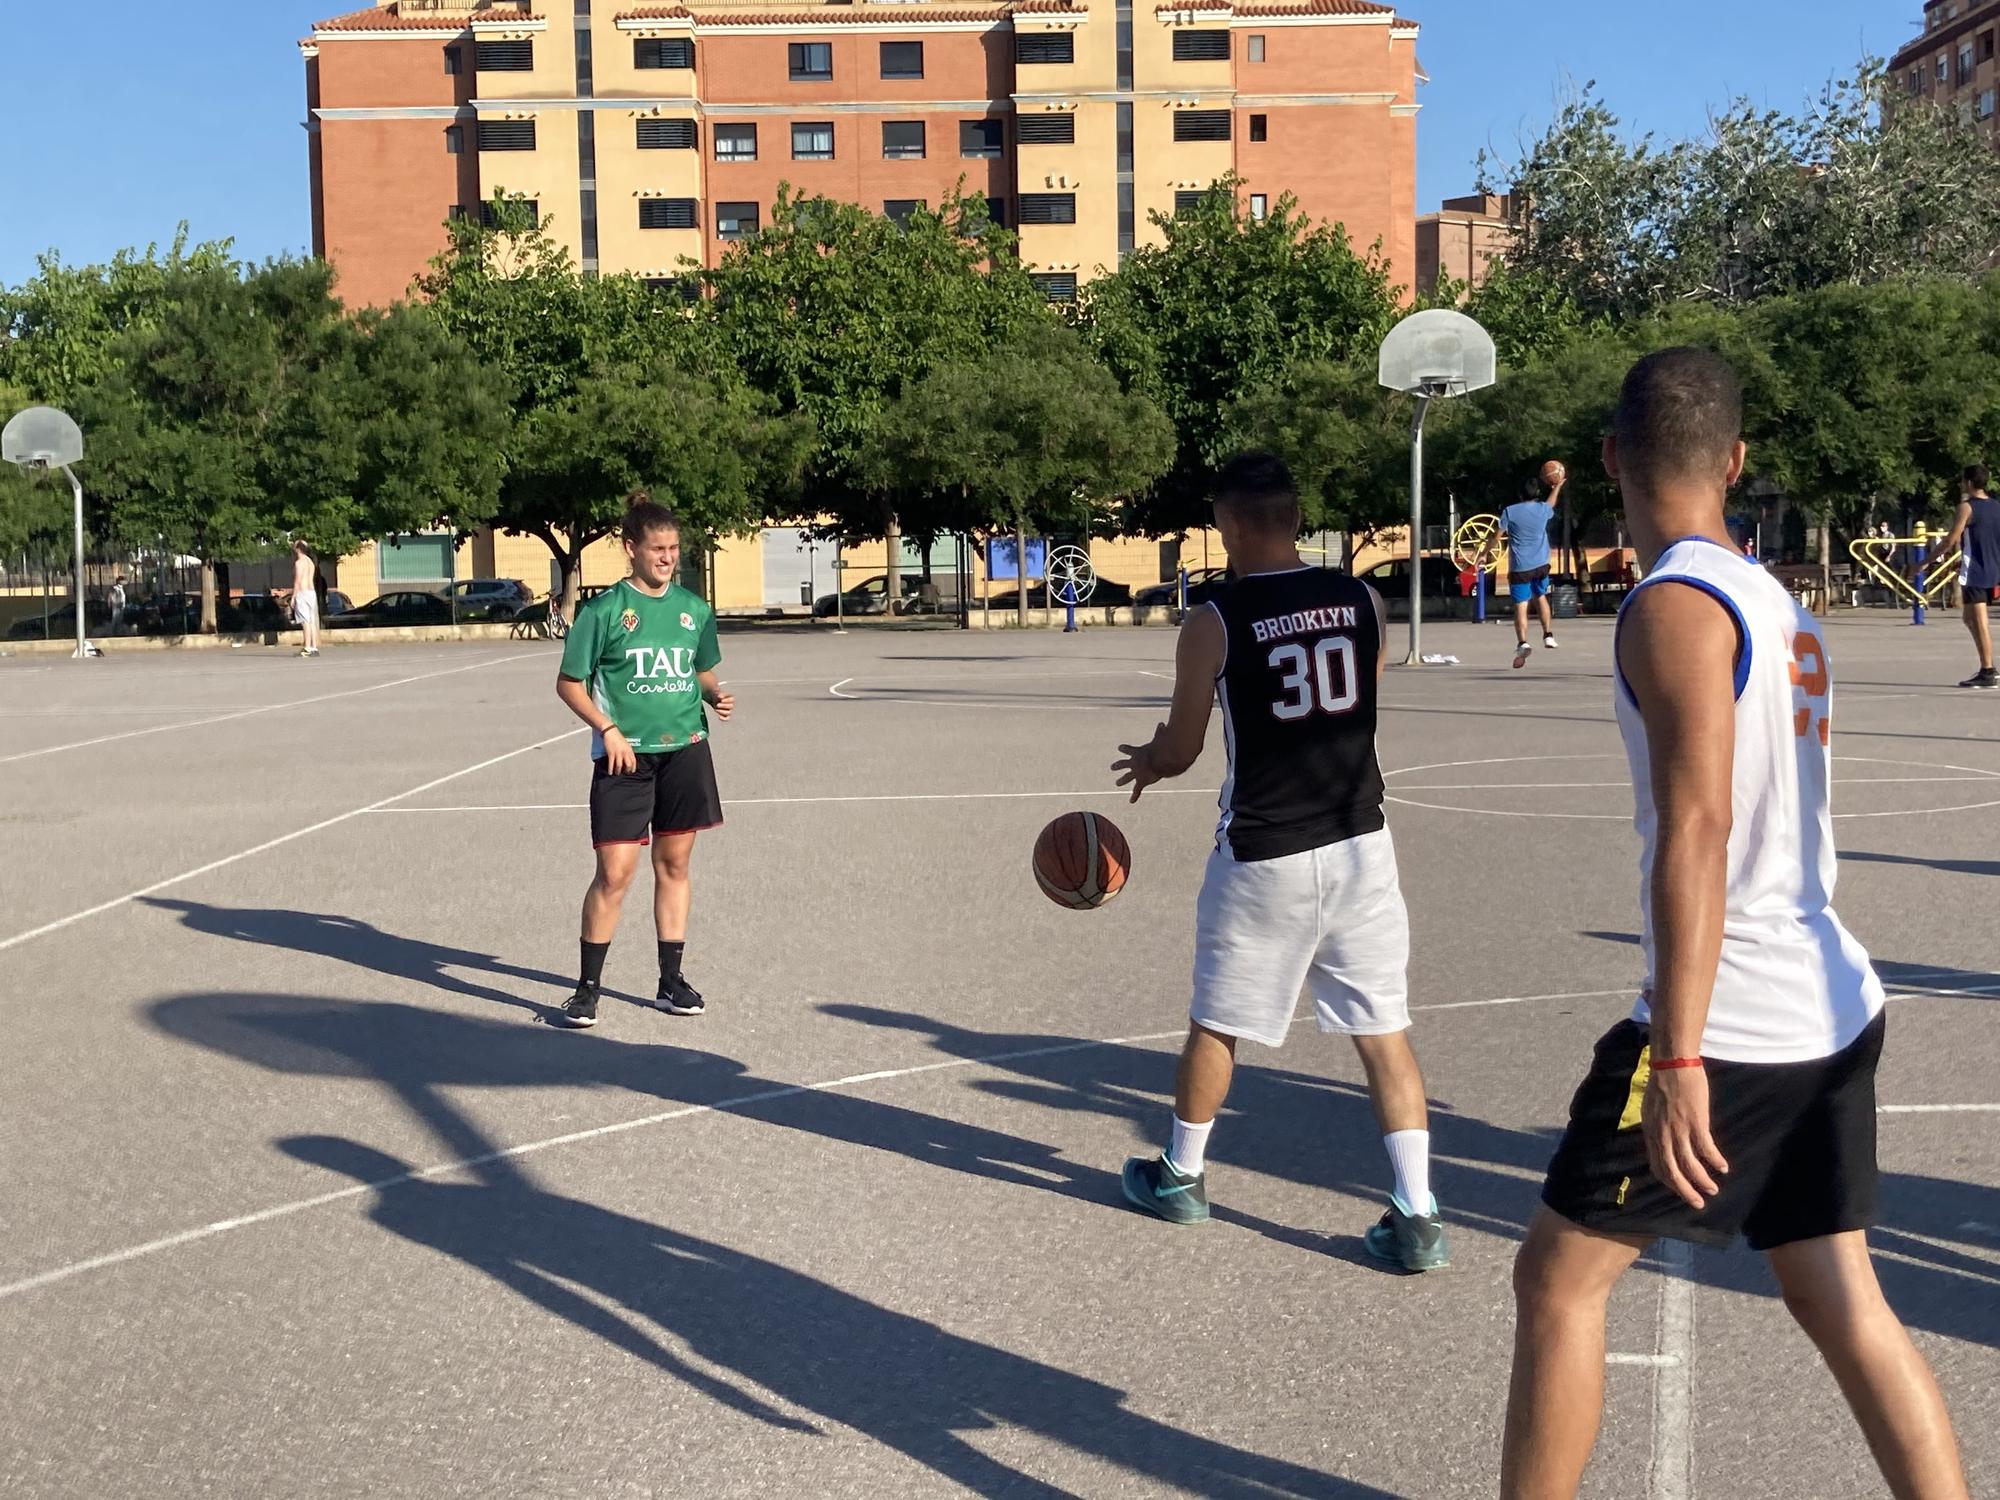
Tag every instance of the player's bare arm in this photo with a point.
(619, 757)
(1176, 744)
(1678, 653)
(1958, 525)
(712, 694)
(1381, 630)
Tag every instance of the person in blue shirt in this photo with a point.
(1525, 525)
(1977, 530)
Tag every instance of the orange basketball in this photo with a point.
(1553, 473)
(1081, 860)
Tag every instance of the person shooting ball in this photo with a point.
(1525, 526)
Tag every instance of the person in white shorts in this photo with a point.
(305, 599)
(1301, 891)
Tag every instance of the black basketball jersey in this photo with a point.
(1298, 712)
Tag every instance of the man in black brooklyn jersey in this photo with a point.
(1302, 887)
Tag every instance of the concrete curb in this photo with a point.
(119, 645)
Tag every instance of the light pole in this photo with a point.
(1431, 355)
(44, 438)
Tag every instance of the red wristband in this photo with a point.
(1661, 1063)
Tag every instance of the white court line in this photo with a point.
(1093, 708)
(247, 713)
(1649, 1361)
(619, 1127)
(1172, 791)
(284, 838)
(1539, 786)
(1938, 1109)
(1673, 1386)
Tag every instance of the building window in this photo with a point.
(1046, 130)
(1260, 127)
(1186, 203)
(1201, 125)
(1057, 287)
(996, 210)
(733, 221)
(981, 140)
(506, 135)
(1986, 104)
(458, 213)
(687, 288)
(812, 140)
(898, 210)
(1256, 49)
(1965, 64)
(504, 57)
(1211, 45)
(902, 59)
(454, 62)
(663, 52)
(667, 135)
(811, 61)
(424, 558)
(1944, 67)
(669, 213)
(902, 140)
(735, 142)
(1046, 47)
(1260, 206)
(1048, 208)
(454, 140)
(1986, 46)
(532, 207)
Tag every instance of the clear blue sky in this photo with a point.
(119, 118)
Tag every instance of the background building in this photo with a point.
(1463, 237)
(1954, 60)
(649, 136)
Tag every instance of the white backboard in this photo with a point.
(42, 437)
(1438, 352)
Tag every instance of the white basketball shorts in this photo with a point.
(1331, 918)
(305, 607)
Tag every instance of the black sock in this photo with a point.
(593, 963)
(670, 960)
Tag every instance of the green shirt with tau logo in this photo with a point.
(640, 655)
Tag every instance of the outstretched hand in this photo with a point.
(1137, 768)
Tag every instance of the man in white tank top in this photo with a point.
(1739, 1098)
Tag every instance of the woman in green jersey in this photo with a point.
(638, 668)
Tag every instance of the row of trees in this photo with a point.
(910, 379)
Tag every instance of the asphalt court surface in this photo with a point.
(299, 1195)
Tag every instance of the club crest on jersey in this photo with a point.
(687, 621)
(629, 621)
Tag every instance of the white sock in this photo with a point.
(1190, 1147)
(1410, 1157)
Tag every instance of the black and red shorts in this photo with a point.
(670, 793)
(1799, 1139)
(1977, 595)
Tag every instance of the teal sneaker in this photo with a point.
(1158, 1189)
(1416, 1242)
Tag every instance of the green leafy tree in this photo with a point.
(1034, 431)
(1345, 439)
(832, 311)
(1225, 305)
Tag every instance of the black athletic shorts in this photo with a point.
(670, 793)
(1530, 577)
(1978, 595)
(1799, 1139)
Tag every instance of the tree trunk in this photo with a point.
(892, 538)
(1021, 569)
(571, 563)
(1825, 567)
(208, 623)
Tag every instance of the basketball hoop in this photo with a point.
(43, 438)
(1433, 355)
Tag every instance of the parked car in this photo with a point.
(1202, 586)
(489, 598)
(1107, 595)
(406, 607)
(1392, 581)
(62, 622)
(871, 597)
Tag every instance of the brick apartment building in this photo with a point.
(1955, 60)
(1463, 237)
(646, 134)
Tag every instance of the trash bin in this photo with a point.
(806, 592)
(1565, 601)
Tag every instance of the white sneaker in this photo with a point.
(1548, 643)
(1521, 654)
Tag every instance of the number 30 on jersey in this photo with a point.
(1310, 679)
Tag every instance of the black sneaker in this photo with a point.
(580, 1010)
(1985, 677)
(679, 998)
(1154, 1187)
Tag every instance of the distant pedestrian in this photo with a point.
(1977, 528)
(114, 600)
(305, 601)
